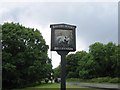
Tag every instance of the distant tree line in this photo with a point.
(102, 60)
(25, 60)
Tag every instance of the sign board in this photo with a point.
(63, 37)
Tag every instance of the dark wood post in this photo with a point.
(63, 68)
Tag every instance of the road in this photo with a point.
(94, 85)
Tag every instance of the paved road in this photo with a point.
(93, 85)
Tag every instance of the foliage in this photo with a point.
(57, 72)
(105, 80)
(115, 80)
(24, 55)
(86, 67)
(72, 64)
(101, 79)
(105, 59)
(102, 60)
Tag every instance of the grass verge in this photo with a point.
(55, 86)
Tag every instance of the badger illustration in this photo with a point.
(63, 40)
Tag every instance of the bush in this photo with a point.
(114, 80)
(96, 80)
(71, 75)
(106, 80)
(101, 79)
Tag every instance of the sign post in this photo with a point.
(63, 68)
(63, 40)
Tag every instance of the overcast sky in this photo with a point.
(95, 21)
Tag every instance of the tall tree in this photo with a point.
(72, 64)
(116, 65)
(24, 55)
(110, 59)
(86, 67)
(105, 57)
(98, 52)
(57, 72)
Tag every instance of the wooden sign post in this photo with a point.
(63, 40)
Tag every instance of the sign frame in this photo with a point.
(63, 37)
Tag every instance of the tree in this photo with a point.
(113, 59)
(86, 67)
(110, 59)
(24, 55)
(0, 55)
(57, 72)
(49, 70)
(72, 64)
(105, 57)
(116, 58)
(97, 50)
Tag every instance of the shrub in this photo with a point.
(101, 79)
(114, 80)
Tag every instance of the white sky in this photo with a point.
(96, 20)
(59, 0)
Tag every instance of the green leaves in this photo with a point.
(24, 54)
(102, 60)
(9, 67)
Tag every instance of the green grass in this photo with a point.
(54, 86)
(49, 85)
